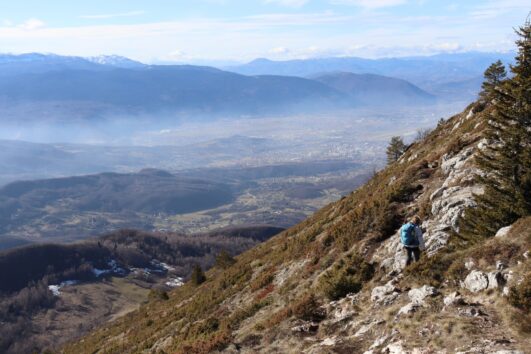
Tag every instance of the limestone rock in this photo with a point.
(476, 281)
(469, 265)
(344, 308)
(453, 299)
(363, 330)
(500, 265)
(418, 295)
(385, 294)
(328, 342)
(395, 348)
(495, 280)
(378, 342)
(471, 312)
(408, 309)
(306, 327)
(503, 232)
(455, 162)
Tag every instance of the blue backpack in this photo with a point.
(407, 235)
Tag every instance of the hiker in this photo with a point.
(412, 240)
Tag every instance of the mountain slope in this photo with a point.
(370, 89)
(337, 282)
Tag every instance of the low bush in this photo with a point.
(158, 294)
(308, 308)
(431, 270)
(520, 295)
(263, 279)
(346, 276)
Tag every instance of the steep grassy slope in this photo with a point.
(317, 287)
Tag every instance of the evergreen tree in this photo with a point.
(224, 260)
(198, 276)
(494, 76)
(395, 149)
(507, 157)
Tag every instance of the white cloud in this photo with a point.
(287, 3)
(369, 4)
(105, 16)
(494, 8)
(280, 50)
(292, 35)
(31, 24)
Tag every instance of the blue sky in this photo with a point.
(239, 30)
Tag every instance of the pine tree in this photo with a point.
(395, 149)
(507, 158)
(494, 76)
(198, 276)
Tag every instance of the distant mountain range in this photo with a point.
(97, 90)
(52, 87)
(418, 70)
(371, 89)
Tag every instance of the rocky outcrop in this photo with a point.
(448, 203)
(385, 294)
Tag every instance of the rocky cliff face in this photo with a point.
(337, 283)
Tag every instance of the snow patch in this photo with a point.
(175, 282)
(55, 288)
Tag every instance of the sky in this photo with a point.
(240, 30)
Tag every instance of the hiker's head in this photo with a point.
(415, 220)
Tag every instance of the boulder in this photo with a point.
(418, 295)
(476, 281)
(503, 232)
